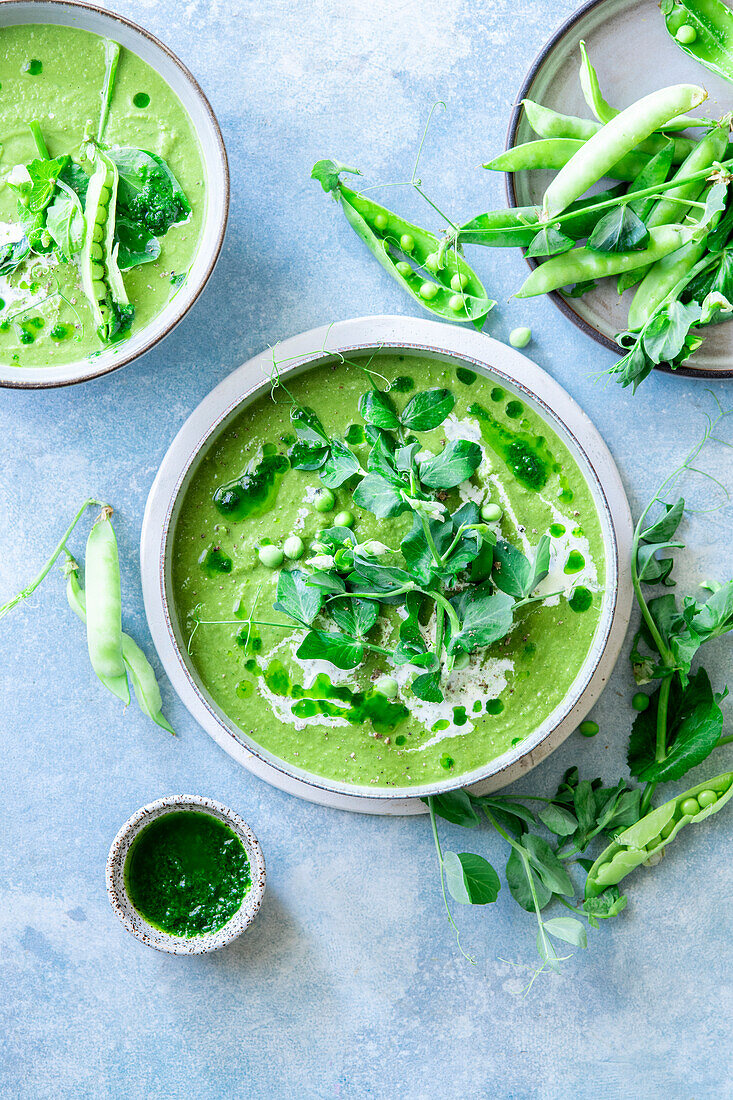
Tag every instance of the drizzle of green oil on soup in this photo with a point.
(333, 723)
(55, 74)
(187, 873)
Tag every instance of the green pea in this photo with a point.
(707, 798)
(293, 548)
(325, 500)
(344, 519)
(97, 271)
(101, 215)
(428, 291)
(640, 701)
(407, 242)
(520, 337)
(387, 686)
(404, 268)
(456, 302)
(689, 807)
(459, 281)
(492, 513)
(98, 232)
(96, 252)
(431, 263)
(100, 290)
(588, 728)
(270, 556)
(381, 222)
(686, 34)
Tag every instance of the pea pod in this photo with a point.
(615, 140)
(139, 669)
(557, 153)
(104, 607)
(583, 264)
(448, 288)
(101, 279)
(519, 226)
(551, 124)
(653, 833)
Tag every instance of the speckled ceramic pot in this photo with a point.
(148, 933)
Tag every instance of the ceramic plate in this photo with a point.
(633, 54)
(409, 336)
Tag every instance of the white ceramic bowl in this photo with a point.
(216, 173)
(409, 336)
(148, 933)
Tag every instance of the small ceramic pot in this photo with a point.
(147, 933)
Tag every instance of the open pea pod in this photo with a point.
(709, 32)
(652, 833)
(448, 288)
(101, 278)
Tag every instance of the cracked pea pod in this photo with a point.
(101, 279)
(650, 835)
(443, 284)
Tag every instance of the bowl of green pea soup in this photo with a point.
(115, 192)
(382, 561)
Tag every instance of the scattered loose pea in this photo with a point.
(324, 501)
(492, 513)
(404, 268)
(387, 686)
(456, 302)
(293, 547)
(686, 34)
(640, 701)
(458, 281)
(689, 807)
(707, 798)
(520, 337)
(381, 222)
(428, 291)
(344, 519)
(270, 556)
(588, 728)
(407, 242)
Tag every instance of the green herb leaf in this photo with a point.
(486, 617)
(383, 577)
(427, 410)
(308, 427)
(694, 723)
(327, 173)
(377, 408)
(137, 245)
(65, 222)
(296, 598)
(455, 463)
(511, 570)
(44, 175)
(568, 929)
(13, 254)
(147, 191)
(470, 878)
(427, 687)
(456, 807)
(340, 465)
(620, 230)
(544, 861)
(320, 645)
(550, 241)
(307, 455)
(355, 617)
(518, 880)
(558, 820)
(665, 527)
(606, 905)
(377, 495)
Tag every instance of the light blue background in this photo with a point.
(350, 984)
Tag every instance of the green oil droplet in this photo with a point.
(255, 491)
(575, 562)
(530, 649)
(459, 716)
(477, 706)
(2, 303)
(61, 331)
(580, 600)
(141, 100)
(468, 377)
(249, 639)
(355, 435)
(494, 706)
(400, 739)
(578, 532)
(244, 689)
(403, 384)
(556, 530)
(214, 561)
(441, 724)
(565, 495)
(514, 409)
(446, 761)
(34, 67)
(528, 458)
(36, 322)
(497, 393)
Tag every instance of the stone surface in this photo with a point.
(350, 983)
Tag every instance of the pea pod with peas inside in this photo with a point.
(442, 283)
(101, 278)
(650, 835)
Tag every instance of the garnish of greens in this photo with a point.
(668, 226)
(451, 570)
(104, 211)
(116, 659)
(569, 853)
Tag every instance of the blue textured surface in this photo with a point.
(350, 984)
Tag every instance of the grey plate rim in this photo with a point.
(562, 304)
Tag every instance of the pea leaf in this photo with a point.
(44, 176)
(486, 617)
(545, 862)
(456, 807)
(427, 687)
(606, 905)
(296, 598)
(511, 570)
(518, 880)
(550, 241)
(455, 463)
(307, 455)
(137, 245)
(355, 617)
(340, 465)
(65, 222)
(383, 577)
(329, 582)
(13, 254)
(375, 494)
(427, 409)
(470, 878)
(382, 460)
(377, 408)
(568, 929)
(321, 645)
(558, 820)
(327, 173)
(663, 529)
(664, 336)
(651, 569)
(308, 427)
(620, 230)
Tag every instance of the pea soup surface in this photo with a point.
(334, 723)
(55, 74)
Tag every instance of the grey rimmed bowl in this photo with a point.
(154, 937)
(409, 336)
(107, 24)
